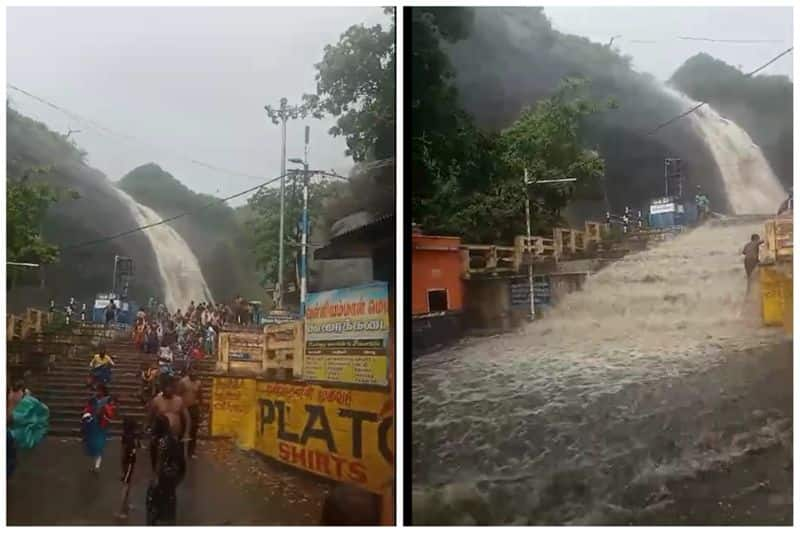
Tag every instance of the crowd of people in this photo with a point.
(170, 389)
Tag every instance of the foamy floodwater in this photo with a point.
(179, 268)
(584, 414)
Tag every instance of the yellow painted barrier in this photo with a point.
(342, 434)
(788, 304)
(232, 402)
(771, 297)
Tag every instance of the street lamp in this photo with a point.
(280, 116)
(528, 183)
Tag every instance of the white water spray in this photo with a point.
(750, 184)
(179, 268)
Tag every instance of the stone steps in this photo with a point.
(63, 388)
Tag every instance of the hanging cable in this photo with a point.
(168, 219)
(701, 104)
(108, 131)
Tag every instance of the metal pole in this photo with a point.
(527, 247)
(304, 240)
(283, 185)
(114, 282)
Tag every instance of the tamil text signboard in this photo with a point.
(347, 336)
(520, 292)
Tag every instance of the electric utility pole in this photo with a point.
(304, 226)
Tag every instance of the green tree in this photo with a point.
(481, 197)
(26, 206)
(356, 83)
(546, 140)
(263, 220)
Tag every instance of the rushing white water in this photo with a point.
(179, 268)
(585, 413)
(750, 184)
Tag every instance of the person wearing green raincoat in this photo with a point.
(29, 422)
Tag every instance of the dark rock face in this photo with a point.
(99, 212)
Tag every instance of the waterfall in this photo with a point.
(750, 185)
(179, 268)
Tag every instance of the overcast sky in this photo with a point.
(664, 25)
(191, 80)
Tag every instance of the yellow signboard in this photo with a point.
(232, 401)
(345, 435)
(336, 433)
(347, 336)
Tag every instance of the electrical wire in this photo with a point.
(701, 104)
(736, 41)
(384, 162)
(169, 219)
(108, 131)
(360, 167)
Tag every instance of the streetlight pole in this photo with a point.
(528, 244)
(280, 116)
(304, 243)
(528, 220)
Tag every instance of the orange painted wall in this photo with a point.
(435, 264)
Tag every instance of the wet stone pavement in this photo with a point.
(223, 486)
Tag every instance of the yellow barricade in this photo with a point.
(342, 434)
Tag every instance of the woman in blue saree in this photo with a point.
(95, 422)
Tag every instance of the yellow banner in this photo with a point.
(336, 433)
(345, 435)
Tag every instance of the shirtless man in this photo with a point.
(189, 391)
(167, 403)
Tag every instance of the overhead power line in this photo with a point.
(703, 39)
(373, 165)
(701, 104)
(735, 41)
(168, 219)
(127, 137)
(771, 61)
(360, 167)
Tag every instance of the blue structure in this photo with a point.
(671, 212)
(126, 309)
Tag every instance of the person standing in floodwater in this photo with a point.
(750, 252)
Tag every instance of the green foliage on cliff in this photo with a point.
(468, 181)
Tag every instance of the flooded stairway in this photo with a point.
(63, 388)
